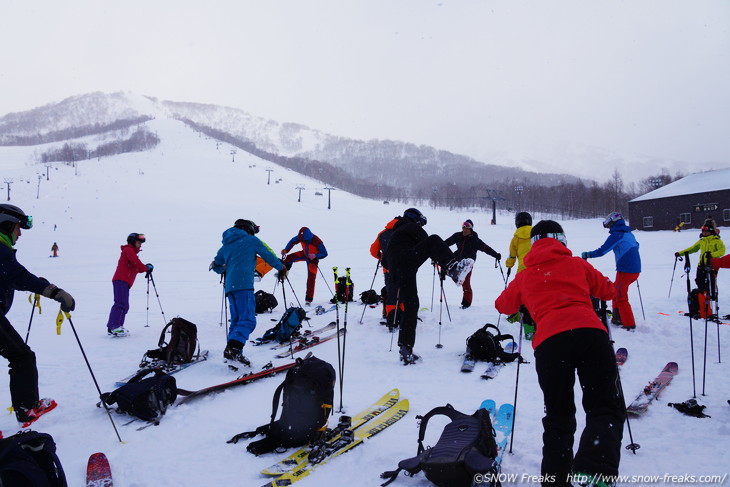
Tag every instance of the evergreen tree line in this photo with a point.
(67, 133)
(140, 140)
(457, 187)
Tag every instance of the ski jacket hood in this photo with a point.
(556, 288)
(128, 265)
(625, 248)
(237, 259)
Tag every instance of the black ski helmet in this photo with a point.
(133, 238)
(416, 216)
(250, 227)
(523, 219)
(10, 215)
(548, 229)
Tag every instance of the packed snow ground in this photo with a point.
(184, 194)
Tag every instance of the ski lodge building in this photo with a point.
(689, 200)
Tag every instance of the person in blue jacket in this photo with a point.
(628, 266)
(313, 250)
(237, 260)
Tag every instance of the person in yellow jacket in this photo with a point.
(520, 244)
(518, 248)
(709, 243)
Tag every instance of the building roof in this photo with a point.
(702, 182)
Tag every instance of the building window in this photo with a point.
(726, 215)
(648, 221)
(685, 218)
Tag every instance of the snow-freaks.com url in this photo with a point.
(666, 478)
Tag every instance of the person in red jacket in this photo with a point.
(721, 262)
(128, 267)
(557, 287)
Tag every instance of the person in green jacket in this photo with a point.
(709, 243)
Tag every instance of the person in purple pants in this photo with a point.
(128, 267)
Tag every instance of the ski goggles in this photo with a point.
(26, 223)
(466, 225)
(560, 237)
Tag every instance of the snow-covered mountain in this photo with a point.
(183, 194)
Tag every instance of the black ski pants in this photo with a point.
(588, 352)
(21, 361)
(404, 268)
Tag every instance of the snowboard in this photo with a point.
(98, 471)
(652, 390)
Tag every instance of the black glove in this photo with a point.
(676, 255)
(57, 294)
(498, 257)
(281, 275)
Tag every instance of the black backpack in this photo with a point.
(343, 291)
(308, 391)
(288, 325)
(145, 398)
(180, 349)
(466, 447)
(483, 345)
(28, 459)
(370, 297)
(265, 302)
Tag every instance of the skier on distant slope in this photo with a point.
(237, 259)
(556, 287)
(21, 359)
(409, 247)
(312, 251)
(467, 243)
(128, 267)
(628, 266)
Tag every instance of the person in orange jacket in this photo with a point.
(390, 300)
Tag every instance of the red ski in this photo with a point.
(267, 371)
(98, 471)
(652, 390)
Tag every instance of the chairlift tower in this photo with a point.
(269, 170)
(300, 189)
(329, 197)
(8, 182)
(494, 196)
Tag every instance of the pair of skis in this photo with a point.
(502, 423)
(164, 366)
(350, 433)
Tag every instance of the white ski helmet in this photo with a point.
(612, 218)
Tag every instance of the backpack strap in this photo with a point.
(447, 410)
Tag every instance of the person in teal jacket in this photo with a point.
(237, 260)
(628, 266)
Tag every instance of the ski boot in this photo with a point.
(407, 356)
(26, 417)
(233, 353)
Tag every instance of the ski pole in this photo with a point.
(147, 320)
(348, 283)
(152, 279)
(633, 446)
(36, 302)
(365, 306)
(108, 412)
(433, 283)
(509, 271)
(638, 288)
(441, 309)
(292, 291)
(337, 320)
(672, 281)
(325, 281)
(517, 383)
(708, 312)
(395, 318)
(499, 263)
(687, 268)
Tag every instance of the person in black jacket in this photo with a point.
(21, 359)
(467, 243)
(409, 247)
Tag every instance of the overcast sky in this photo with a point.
(645, 77)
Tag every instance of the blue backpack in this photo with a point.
(288, 325)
